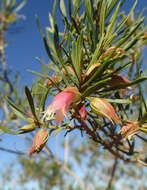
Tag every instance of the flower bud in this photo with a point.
(101, 107)
(49, 83)
(39, 141)
(116, 53)
(27, 128)
(118, 79)
(92, 69)
(82, 112)
(130, 128)
(70, 70)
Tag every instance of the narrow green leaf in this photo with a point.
(112, 21)
(69, 8)
(16, 107)
(110, 40)
(126, 18)
(57, 131)
(94, 87)
(90, 21)
(141, 137)
(89, 11)
(7, 130)
(143, 130)
(48, 50)
(111, 5)
(3, 6)
(43, 99)
(119, 101)
(75, 66)
(50, 42)
(102, 17)
(19, 114)
(51, 22)
(79, 51)
(133, 41)
(62, 7)
(45, 76)
(20, 6)
(98, 73)
(38, 26)
(60, 60)
(44, 40)
(54, 12)
(144, 118)
(10, 5)
(121, 41)
(31, 102)
(96, 53)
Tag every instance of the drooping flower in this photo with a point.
(82, 112)
(129, 128)
(61, 104)
(39, 141)
(118, 79)
(102, 107)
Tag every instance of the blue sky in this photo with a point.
(27, 44)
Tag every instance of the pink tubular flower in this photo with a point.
(61, 104)
(82, 112)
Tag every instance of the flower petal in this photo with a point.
(59, 116)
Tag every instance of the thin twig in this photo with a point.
(12, 151)
(66, 150)
(107, 146)
(3, 57)
(114, 167)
